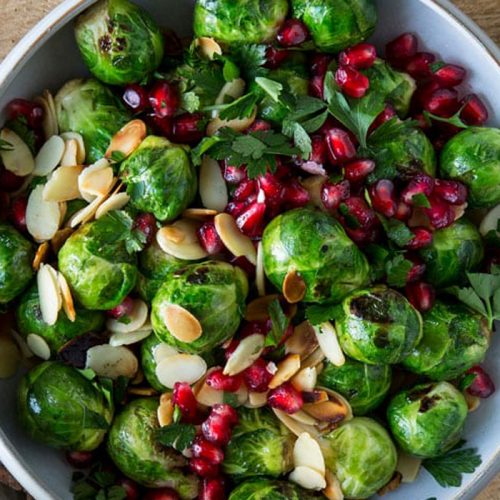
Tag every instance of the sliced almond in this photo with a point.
(213, 189)
(180, 368)
(80, 150)
(182, 324)
(42, 217)
(473, 402)
(314, 359)
(408, 466)
(308, 478)
(287, 368)
(70, 155)
(490, 222)
(60, 238)
(49, 123)
(260, 277)
(303, 418)
(313, 186)
(315, 397)
(333, 491)
(10, 357)
(143, 392)
(96, 180)
(258, 309)
(332, 411)
(16, 157)
(49, 293)
(207, 396)
(294, 287)
(238, 124)
(112, 362)
(173, 234)
(295, 426)
(248, 351)
(163, 351)
(165, 412)
(208, 47)
(256, 400)
(115, 202)
(232, 90)
(130, 338)
(139, 377)
(305, 379)
(201, 214)
(303, 340)
(127, 139)
(38, 346)
(67, 299)
(307, 453)
(86, 213)
(329, 343)
(236, 242)
(40, 256)
(180, 240)
(136, 319)
(63, 184)
(49, 156)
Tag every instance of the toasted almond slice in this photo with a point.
(473, 402)
(144, 392)
(208, 47)
(249, 349)
(305, 379)
(49, 293)
(114, 202)
(256, 400)
(303, 418)
(315, 397)
(63, 184)
(201, 214)
(42, 217)
(313, 186)
(236, 242)
(213, 189)
(307, 453)
(302, 341)
(60, 238)
(130, 338)
(96, 180)
(287, 368)
(127, 139)
(238, 124)
(329, 343)
(165, 412)
(295, 426)
(137, 318)
(163, 351)
(260, 277)
(490, 222)
(86, 213)
(70, 155)
(40, 256)
(258, 309)
(10, 357)
(182, 324)
(49, 156)
(180, 368)
(67, 299)
(232, 90)
(80, 151)
(16, 157)
(38, 346)
(333, 491)
(294, 287)
(186, 245)
(49, 123)
(174, 234)
(308, 478)
(331, 411)
(314, 359)
(207, 396)
(408, 466)
(112, 362)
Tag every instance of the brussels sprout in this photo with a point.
(91, 109)
(96, 262)
(214, 292)
(268, 489)
(455, 339)
(316, 246)
(337, 24)
(473, 157)
(427, 420)
(59, 407)
(119, 41)
(260, 446)
(361, 455)
(16, 255)
(455, 250)
(240, 21)
(133, 447)
(160, 178)
(364, 386)
(148, 362)
(378, 326)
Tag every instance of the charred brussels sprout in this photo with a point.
(119, 41)
(149, 364)
(239, 21)
(364, 386)
(315, 246)
(337, 24)
(378, 326)
(260, 446)
(455, 339)
(160, 178)
(455, 250)
(214, 292)
(59, 407)
(133, 447)
(473, 157)
(361, 455)
(91, 109)
(16, 255)
(267, 489)
(427, 421)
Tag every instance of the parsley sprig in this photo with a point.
(98, 484)
(279, 324)
(176, 435)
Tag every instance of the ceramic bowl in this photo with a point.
(48, 56)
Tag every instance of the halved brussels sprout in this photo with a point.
(16, 256)
(378, 326)
(337, 24)
(260, 446)
(59, 407)
(454, 251)
(473, 157)
(268, 489)
(160, 178)
(364, 386)
(133, 447)
(149, 364)
(427, 421)
(316, 246)
(361, 455)
(240, 21)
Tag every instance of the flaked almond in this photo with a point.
(294, 287)
(329, 343)
(139, 377)
(295, 426)
(201, 214)
(40, 255)
(67, 299)
(237, 124)
(313, 186)
(136, 319)
(260, 277)
(332, 411)
(303, 418)
(60, 238)
(112, 362)
(10, 357)
(246, 353)
(408, 466)
(208, 47)
(49, 156)
(80, 150)
(127, 139)
(49, 293)
(63, 184)
(314, 359)
(38, 346)
(143, 392)
(258, 309)
(212, 186)
(315, 397)
(287, 368)
(130, 338)
(180, 240)
(86, 213)
(187, 368)
(42, 217)
(49, 123)
(231, 90)
(236, 242)
(96, 180)
(174, 234)
(115, 202)
(70, 156)
(165, 412)
(308, 478)
(333, 491)
(307, 453)
(392, 485)
(473, 402)
(163, 351)
(256, 400)
(208, 396)
(182, 324)
(302, 341)
(305, 379)
(16, 156)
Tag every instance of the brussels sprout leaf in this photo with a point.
(279, 324)
(317, 314)
(397, 270)
(396, 231)
(178, 436)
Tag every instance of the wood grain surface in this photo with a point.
(18, 16)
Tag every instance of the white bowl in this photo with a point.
(48, 56)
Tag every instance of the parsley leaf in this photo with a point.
(317, 314)
(98, 484)
(397, 270)
(178, 436)
(420, 200)
(231, 399)
(117, 156)
(272, 88)
(250, 58)
(242, 107)
(396, 231)
(452, 120)
(466, 381)
(5, 146)
(279, 323)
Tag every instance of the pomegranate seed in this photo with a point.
(245, 189)
(422, 238)
(453, 192)
(209, 238)
(474, 112)
(319, 152)
(388, 114)
(275, 57)
(271, 187)
(164, 99)
(356, 213)
(421, 295)
(441, 214)
(9, 182)
(383, 198)
(423, 122)
(234, 175)
(340, 146)
(420, 184)
(18, 213)
(80, 459)
(226, 412)
(216, 429)
(32, 112)
(245, 265)
(443, 102)
(320, 64)
(419, 66)
(259, 126)
(418, 268)
(482, 385)
(292, 33)
(131, 488)
(251, 220)
(208, 451)
(316, 86)
(257, 376)
(212, 489)
(423, 94)
(122, 310)
(450, 75)
(162, 126)
(183, 397)
(361, 56)
(235, 208)
(285, 398)
(146, 223)
(220, 382)
(333, 194)
(136, 97)
(161, 494)
(352, 82)
(358, 170)
(403, 211)
(401, 49)
(188, 128)
(295, 195)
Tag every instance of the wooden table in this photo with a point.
(18, 16)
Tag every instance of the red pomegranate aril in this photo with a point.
(422, 238)
(319, 152)
(257, 376)
(18, 212)
(32, 112)
(80, 459)
(401, 49)
(245, 189)
(275, 57)
(209, 238)
(226, 412)
(295, 195)
(453, 192)
(251, 220)
(419, 66)
(361, 56)
(423, 122)
(164, 99)
(131, 488)
(443, 102)
(339, 145)
(220, 382)
(332, 195)
(320, 64)
(9, 182)
(122, 310)
(234, 175)
(292, 33)
(421, 295)
(183, 397)
(213, 489)
(422, 95)
(216, 429)
(474, 111)
(202, 448)
(420, 184)
(383, 198)
(136, 97)
(388, 114)
(441, 214)
(417, 270)
(316, 86)
(352, 82)
(272, 188)
(403, 211)
(358, 170)
(450, 75)
(146, 223)
(482, 386)
(161, 494)
(285, 398)
(259, 126)
(356, 213)
(235, 208)
(187, 128)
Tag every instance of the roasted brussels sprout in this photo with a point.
(260, 446)
(427, 421)
(148, 363)
(16, 255)
(97, 264)
(455, 250)
(240, 21)
(361, 455)
(473, 157)
(91, 109)
(214, 292)
(315, 246)
(268, 489)
(133, 447)
(337, 24)
(119, 42)
(59, 407)
(378, 326)
(364, 386)
(160, 178)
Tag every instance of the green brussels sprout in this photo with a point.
(454, 251)
(239, 21)
(427, 420)
(16, 256)
(119, 42)
(91, 109)
(214, 292)
(361, 455)
(134, 449)
(160, 178)
(29, 320)
(260, 446)
(455, 339)
(148, 362)
(268, 489)
(378, 326)
(473, 157)
(97, 264)
(364, 386)
(337, 24)
(316, 246)
(61, 408)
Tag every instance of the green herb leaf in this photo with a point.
(117, 156)
(435, 66)
(397, 270)
(279, 323)
(5, 146)
(240, 108)
(230, 71)
(317, 314)
(452, 120)
(250, 58)
(177, 436)
(230, 399)
(389, 129)
(177, 415)
(397, 231)
(21, 128)
(466, 381)
(272, 88)
(420, 200)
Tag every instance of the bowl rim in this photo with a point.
(12, 65)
